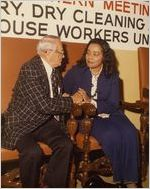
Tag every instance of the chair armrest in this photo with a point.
(89, 109)
(76, 110)
(72, 123)
(137, 107)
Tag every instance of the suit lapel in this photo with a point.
(101, 82)
(59, 79)
(44, 77)
(43, 74)
(88, 81)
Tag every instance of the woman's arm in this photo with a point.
(69, 82)
(110, 104)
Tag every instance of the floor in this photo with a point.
(145, 184)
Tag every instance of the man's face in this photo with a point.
(55, 56)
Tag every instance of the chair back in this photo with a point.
(143, 59)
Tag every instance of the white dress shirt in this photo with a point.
(49, 69)
(94, 94)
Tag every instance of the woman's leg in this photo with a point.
(119, 140)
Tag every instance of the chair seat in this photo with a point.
(94, 145)
(13, 154)
(8, 154)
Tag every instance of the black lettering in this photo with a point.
(107, 35)
(98, 18)
(141, 39)
(4, 6)
(97, 33)
(31, 27)
(140, 24)
(145, 39)
(18, 26)
(50, 10)
(137, 38)
(63, 30)
(124, 37)
(108, 20)
(42, 29)
(61, 12)
(75, 16)
(87, 33)
(16, 6)
(76, 32)
(116, 35)
(86, 18)
(37, 11)
(6, 25)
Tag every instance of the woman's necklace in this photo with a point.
(94, 96)
(94, 83)
(97, 73)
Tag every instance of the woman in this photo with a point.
(96, 78)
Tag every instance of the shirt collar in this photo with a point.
(97, 75)
(47, 66)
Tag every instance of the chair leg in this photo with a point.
(11, 179)
(86, 125)
(72, 176)
(42, 175)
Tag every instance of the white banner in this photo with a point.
(124, 24)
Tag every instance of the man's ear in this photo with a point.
(46, 51)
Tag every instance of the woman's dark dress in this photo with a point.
(117, 134)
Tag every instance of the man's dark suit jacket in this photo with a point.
(31, 104)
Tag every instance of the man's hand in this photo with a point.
(65, 95)
(77, 98)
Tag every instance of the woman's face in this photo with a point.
(94, 56)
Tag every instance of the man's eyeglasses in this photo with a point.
(58, 52)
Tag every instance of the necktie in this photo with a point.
(55, 80)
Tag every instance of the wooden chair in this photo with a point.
(84, 145)
(87, 144)
(142, 106)
(11, 178)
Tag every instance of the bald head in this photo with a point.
(50, 49)
(48, 42)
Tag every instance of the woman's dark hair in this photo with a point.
(109, 59)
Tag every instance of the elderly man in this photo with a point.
(32, 116)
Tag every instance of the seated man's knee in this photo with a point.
(66, 143)
(33, 153)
